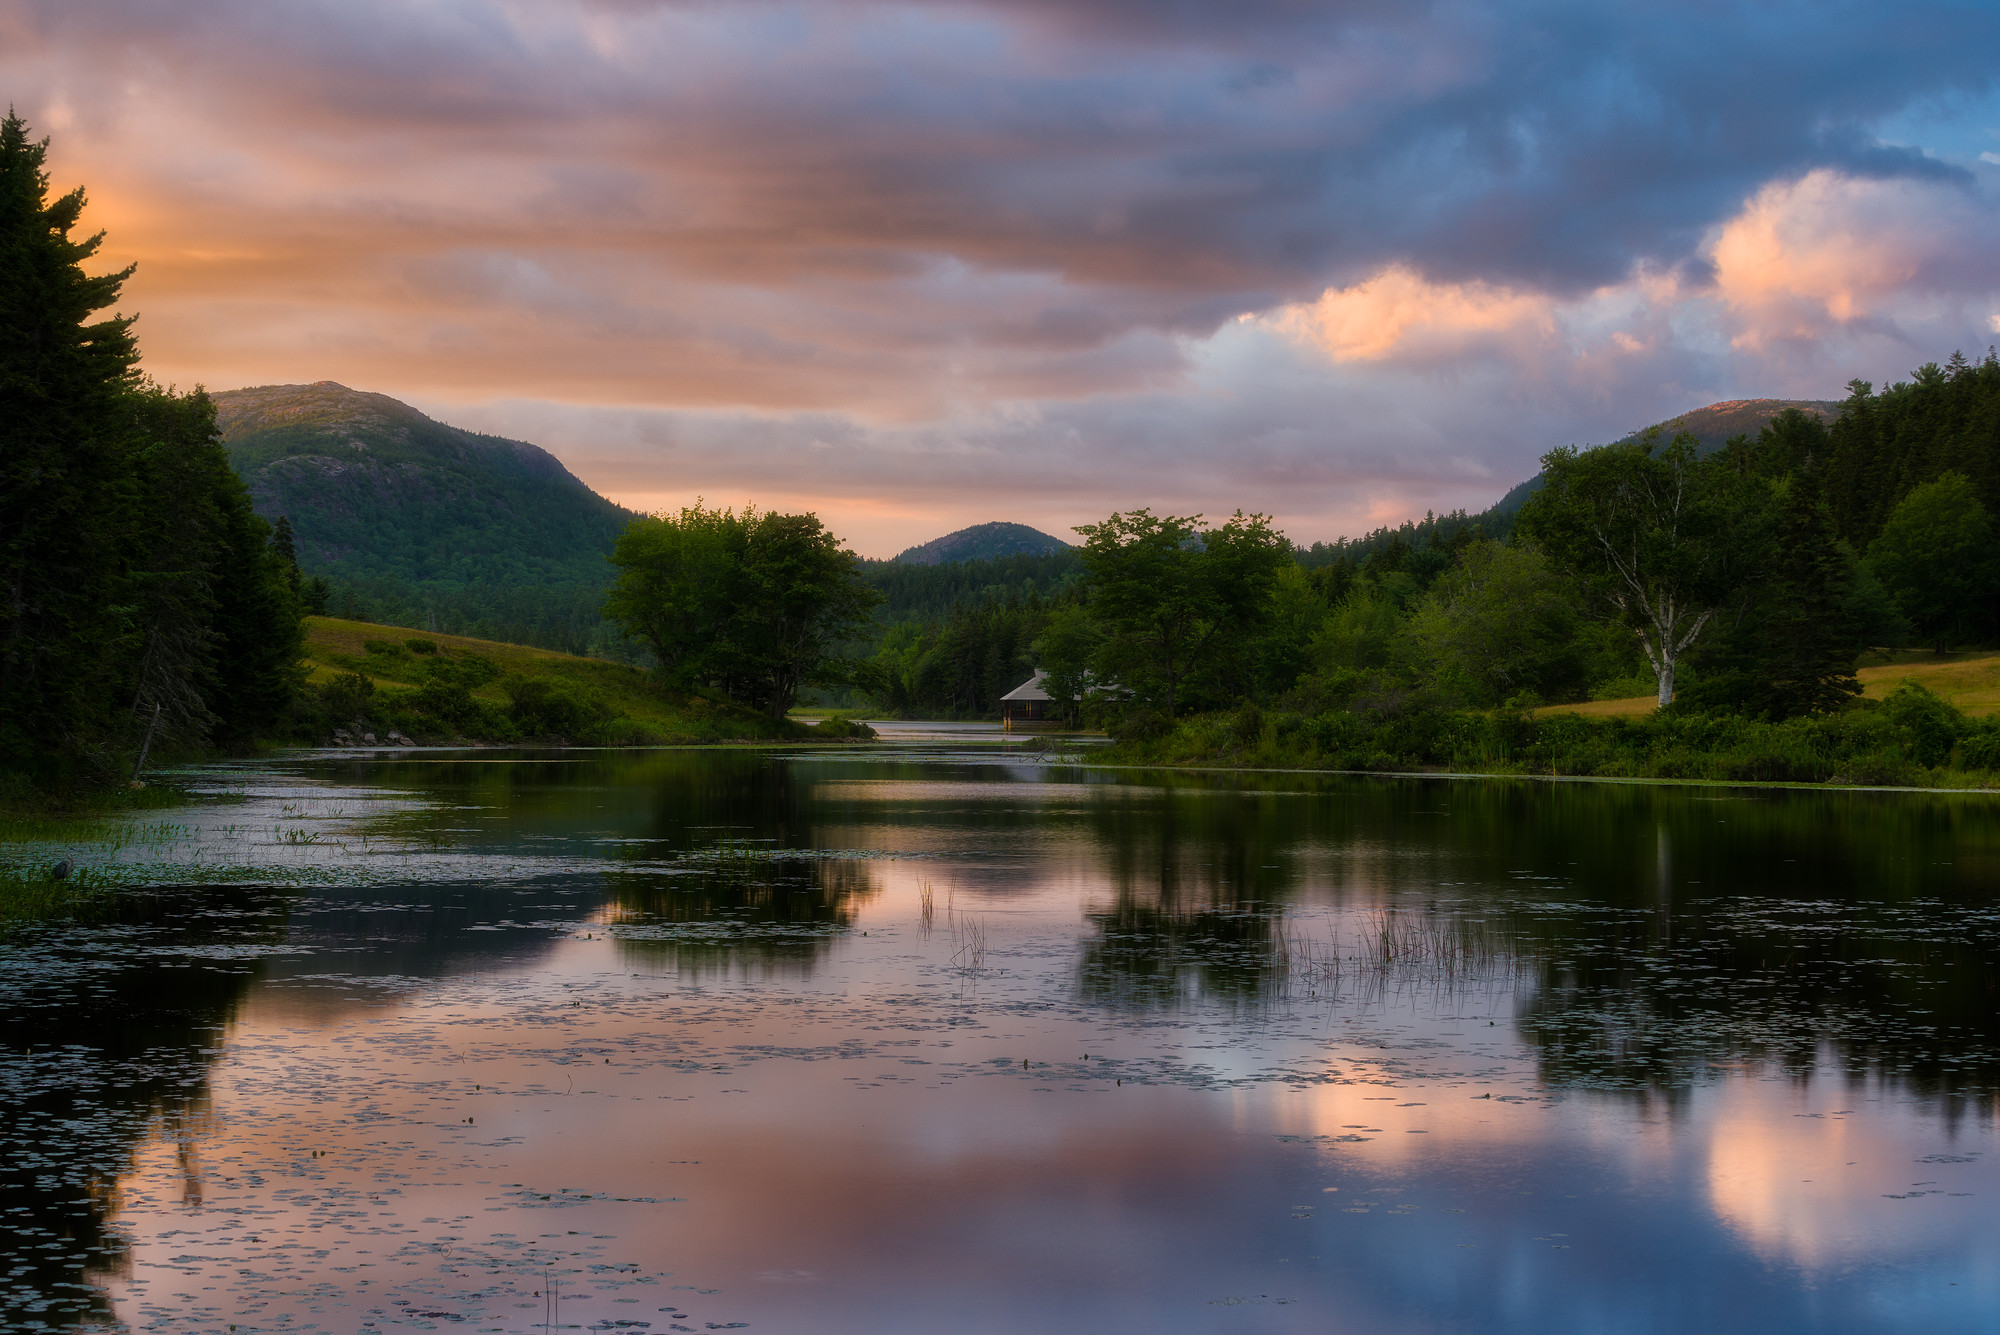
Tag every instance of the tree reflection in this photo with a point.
(1153, 950)
(1622, 1004)
(750, 912)
(98, 1051)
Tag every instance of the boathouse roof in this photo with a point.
(1031, 689)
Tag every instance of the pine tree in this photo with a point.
(1810, 635)
(64, 480)
(287, 551)
(138, 591)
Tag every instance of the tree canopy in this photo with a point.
(756, 605)
(1653, 536)
(1179, 603)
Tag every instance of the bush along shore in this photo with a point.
(1910, 739)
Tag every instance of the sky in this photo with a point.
(919, 265)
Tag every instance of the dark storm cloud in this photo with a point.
(1214, 157)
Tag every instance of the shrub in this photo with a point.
(1143, 724)
(542, 708)
(346, 697)
(421, 646)
(1930, 726)
(1980, 747)
(839, 729)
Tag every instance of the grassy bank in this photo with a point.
(383, 680)
(1910, 736)
(1969, 682)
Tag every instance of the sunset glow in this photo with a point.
(903, 258)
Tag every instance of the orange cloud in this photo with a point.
(1399, 312)
(1832, 249)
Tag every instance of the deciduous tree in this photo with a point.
(1179, 601)
(1935, 555)
(1653, 536)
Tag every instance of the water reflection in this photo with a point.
(852, 1041)
(755, 912)
(104, 1045)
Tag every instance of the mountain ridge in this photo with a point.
(418, 523)
(1711, 427)
(374, 487)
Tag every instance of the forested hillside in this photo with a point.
(1710, 428)
(1891, 494)
(414, 522)
(956, 637)
(983, 542)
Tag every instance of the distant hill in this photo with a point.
(419, 523)
(1711, 426)
(983, 542)
(1716, 423)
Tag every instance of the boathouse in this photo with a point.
(1027, 703)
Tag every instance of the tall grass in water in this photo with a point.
(1395, 951)
(32, 894)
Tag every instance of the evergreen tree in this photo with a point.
(287, 551)
(1810, 635)
(259, 634)
(64, 446)
(137, 591)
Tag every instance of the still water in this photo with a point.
(935, 1038)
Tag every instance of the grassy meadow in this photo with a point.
(440, 688)
(1968, 682)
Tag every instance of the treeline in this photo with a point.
(140, 598)
(930, 592)
(1740, 589)
(1431, 531)
(1745, 581)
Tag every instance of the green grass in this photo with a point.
(29, 895)
(1910, 738)
(640, 710)
(1970, 682)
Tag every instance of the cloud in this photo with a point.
(1809, 256)
(1399, 312)
(898, 253)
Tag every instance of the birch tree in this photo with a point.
(1657, 539)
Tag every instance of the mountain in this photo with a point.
(374, 487)
(1716, 423)
(1711, 426)
(416, 523)
(983, 542)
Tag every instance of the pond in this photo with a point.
(940, 1036)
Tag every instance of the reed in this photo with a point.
(1395, 950)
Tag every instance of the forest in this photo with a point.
(142, 603)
